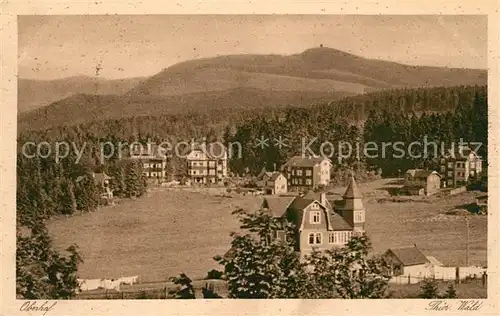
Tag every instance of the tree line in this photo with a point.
(46, 188)
(460, 113)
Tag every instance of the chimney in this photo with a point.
(322, 197)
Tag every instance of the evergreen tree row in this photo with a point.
(46, 188)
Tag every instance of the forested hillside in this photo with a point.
(442, 114)
(234, 83)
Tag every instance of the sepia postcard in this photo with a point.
(249, 158)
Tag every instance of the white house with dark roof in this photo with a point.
(408, 261)
(274, 183)
(320, 223)
(428, 180)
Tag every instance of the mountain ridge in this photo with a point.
(239, 81)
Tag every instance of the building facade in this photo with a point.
(207, 164)
(456, 168)
(153, 160)
(307, 173)
(321, 224)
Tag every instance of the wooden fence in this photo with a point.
(458, 190)
(462, 274)
(152, 290)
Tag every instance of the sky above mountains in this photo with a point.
(52, 47)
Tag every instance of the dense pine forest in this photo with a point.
(444, 115)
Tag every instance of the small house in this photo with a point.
(482, 204)
(276, 183)
(417, 179)
(101, 180)
(407, 261)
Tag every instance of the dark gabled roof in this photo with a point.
(274, 176)
(459, 153)
(409, 256)
(261, 174)
(212, 150)
(278, 205)
(338, 222)
(352, 191)
(308, 161)
(149, 150)
(421, 173)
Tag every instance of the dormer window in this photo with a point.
(315, 216)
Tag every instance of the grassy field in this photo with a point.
(172, 231)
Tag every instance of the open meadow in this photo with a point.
(170, 231)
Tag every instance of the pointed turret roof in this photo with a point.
(352, 191)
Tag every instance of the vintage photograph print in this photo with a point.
(252, 156)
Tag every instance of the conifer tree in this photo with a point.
(86, 194)
(41, 272)
(429, 289)
(450, 292)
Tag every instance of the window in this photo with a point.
(331, 238)
(146, 165)
(358, 217)
(318, 238)
(450, 164)
(300, 181)
(211, 164)
(211, 172)
(308, 182)
(315, 238)
(299, 172)
(443, 168)
(293, 172)
(450, 173)
(315, 216)
(311, 239)
(308, 172)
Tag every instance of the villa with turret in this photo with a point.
(321, 223)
